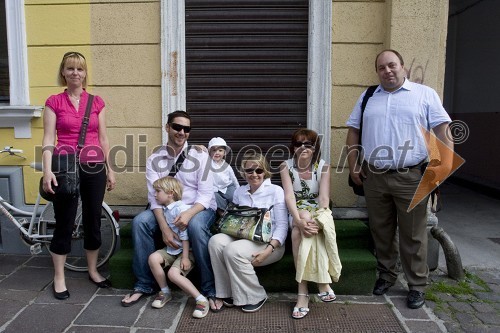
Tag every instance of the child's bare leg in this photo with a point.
(175, 275)
(201, 309)
(156, 261)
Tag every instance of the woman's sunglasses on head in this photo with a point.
(69, 54)
(179, 127)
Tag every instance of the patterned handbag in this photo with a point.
(245, 222)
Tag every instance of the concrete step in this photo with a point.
(355, 251)
(357, 278)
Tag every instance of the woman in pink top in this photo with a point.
(62, 120)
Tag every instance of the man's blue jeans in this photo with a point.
(144, 227)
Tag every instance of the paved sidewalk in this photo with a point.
(26, 295)
(27, 303)
(469, 310)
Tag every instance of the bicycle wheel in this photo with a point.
(76, 259)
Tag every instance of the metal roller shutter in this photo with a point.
(246, 72)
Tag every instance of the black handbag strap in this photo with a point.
(234, 208)
(368, 94)
(246, 210)
(85, 123)
(177, 165)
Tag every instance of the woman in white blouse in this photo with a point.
(233, 260)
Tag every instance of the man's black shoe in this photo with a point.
(381, 287)
(415, 299)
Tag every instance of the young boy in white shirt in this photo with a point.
(169, 193)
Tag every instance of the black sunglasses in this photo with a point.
(179, 127)
(258, 171)
(306, 144)
(69, 54)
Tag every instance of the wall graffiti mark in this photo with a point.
(417, 73)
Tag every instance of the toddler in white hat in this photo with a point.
(225, 181)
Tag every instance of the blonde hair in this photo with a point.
(167, 184)
(257, 158)
(80, 61)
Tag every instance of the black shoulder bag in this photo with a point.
(358, 189)
(65, 166)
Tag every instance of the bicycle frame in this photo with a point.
(39, 230)
(31, 234)
(28, 232)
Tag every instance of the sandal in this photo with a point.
(327, 296)
(134, 292)
(300, 312)
(213, 300)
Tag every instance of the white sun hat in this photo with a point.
(218, 142)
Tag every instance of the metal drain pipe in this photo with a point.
(451, 254)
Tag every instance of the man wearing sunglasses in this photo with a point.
(192, 168)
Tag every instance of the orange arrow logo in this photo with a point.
(430, 180)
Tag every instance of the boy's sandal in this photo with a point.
(300, 312)
(327, 296)
(134, 292)
(214, 301)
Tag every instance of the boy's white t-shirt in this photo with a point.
(171, 212)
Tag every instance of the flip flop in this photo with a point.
(134, 292)
(214, 301)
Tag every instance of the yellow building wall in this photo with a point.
(361, 29)
(121, 42)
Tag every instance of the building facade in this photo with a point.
(150, 57)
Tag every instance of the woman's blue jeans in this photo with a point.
(144, 227)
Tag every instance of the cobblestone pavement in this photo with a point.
(472, 305)
(468, 306)
(27, 303)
